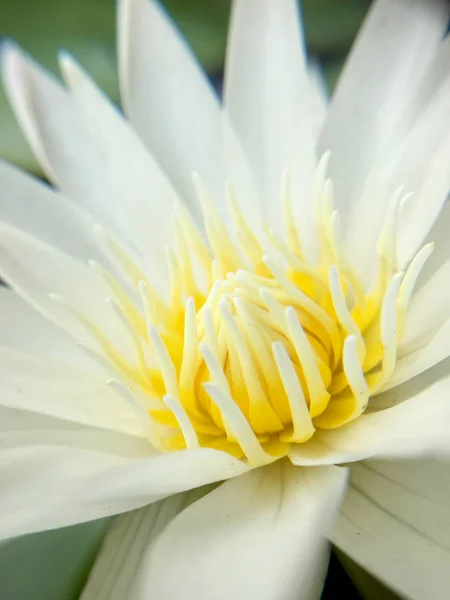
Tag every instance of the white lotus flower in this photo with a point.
(256, 310)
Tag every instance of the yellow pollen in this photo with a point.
(254, 351)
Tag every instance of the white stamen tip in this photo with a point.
(189, 433)
(238, 424)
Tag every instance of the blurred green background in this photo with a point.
(86, 28)
(54, 565)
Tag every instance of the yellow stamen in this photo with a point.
(252, 352)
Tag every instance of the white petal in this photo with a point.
(168, 99)
(44, 487)
(419, 163)
(24, 329)
(435, 75)
(422, 324)
(18, 420)
(439, 236)
(320, 97)
(58, 390)
(35, 269)
(241, 178)
(31, 205)
(95, 158)
(410, 388)
(395, 523)
(415, 363)
(146, 197)
(421, 166)
(430, 181)
(416, 427)
(424, 340)
(21, 428)
(113, 576)
(392, 52)
(258, 536)
(267, 95)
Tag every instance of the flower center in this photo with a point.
(255, 350)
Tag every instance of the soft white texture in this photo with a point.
(168, 99)
(114, 575)
(416, 427)
(73, 449)
(268, 99)
(49, 486)
(24, 329)
(29, 204)
(255, 536)
(94, 156)
(374, 108)
(395, 522)
(53, 388)
(35, 270)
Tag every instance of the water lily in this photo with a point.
(222, 311)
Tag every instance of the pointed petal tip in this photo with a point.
(12, 61)
(65, 58)
(70, 69)
(126, 7)
(7, 45)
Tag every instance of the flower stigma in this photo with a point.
(254, 350)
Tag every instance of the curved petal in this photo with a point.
(438, 235)
(422, 324)
(144, 197)
(55, 389)
(419, 163)
(394, 522)
(431, 180)
(411, 388)
(94, 156)
(33, 206)
(241, 178)
(416, 427)
(113, 576)
(258, 536)
(35, 270)
(376, 86)
(23, 328)
(415, 363)
(168, 99)
(13, 419)
(268, 98)
(21, 428)
(320, 97)
(44, 487)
